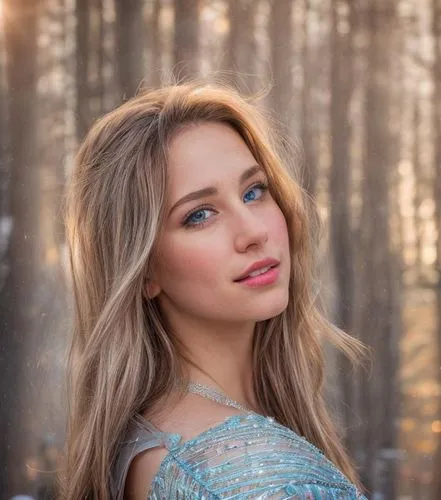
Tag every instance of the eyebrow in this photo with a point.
(210, 191)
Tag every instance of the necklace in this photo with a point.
(215, 395)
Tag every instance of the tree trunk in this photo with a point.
(241, 48)
(186, 39)
(309, 125)
(100, 86)
(129, 49)
(340, 188)
(155, 40)
(380, 305)
(19, 294)
(418, 182)
(436, 110)
(280, 32)
(83, 115)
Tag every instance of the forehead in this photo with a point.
(204, 155)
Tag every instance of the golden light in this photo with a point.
(408, 424)
(436, 426)
(426, 446)
(221, 25)
(52, 255)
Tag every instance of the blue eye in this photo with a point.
(258, 187)
(196, 218)
(199, 217)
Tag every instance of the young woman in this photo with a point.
(195, 366)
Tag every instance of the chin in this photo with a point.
(271, 310)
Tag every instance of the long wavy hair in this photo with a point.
(122, 358)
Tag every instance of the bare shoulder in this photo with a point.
(192, 415)
(141, 473)
(189, 417)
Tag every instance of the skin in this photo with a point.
(194, 266)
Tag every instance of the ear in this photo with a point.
(152, 289)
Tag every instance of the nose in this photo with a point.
(249, 230)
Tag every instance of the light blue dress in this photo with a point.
(246, 456)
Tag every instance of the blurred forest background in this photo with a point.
(357, 82)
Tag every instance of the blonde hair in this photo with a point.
(122, 358)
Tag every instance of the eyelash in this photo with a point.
(186, 223)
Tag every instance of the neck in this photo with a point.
(237, 384)
(220, 356)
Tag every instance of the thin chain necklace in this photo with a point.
(215, 395)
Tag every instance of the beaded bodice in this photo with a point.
(245, 456)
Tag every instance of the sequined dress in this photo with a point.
(245, 456)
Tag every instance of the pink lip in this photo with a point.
(262, 279)
(258, 265)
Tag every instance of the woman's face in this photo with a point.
(220, 220)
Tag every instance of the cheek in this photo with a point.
(184, 262)
(279, 228)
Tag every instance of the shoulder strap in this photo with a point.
(141, 435)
